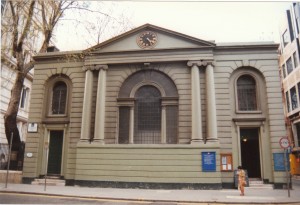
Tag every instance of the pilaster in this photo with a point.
(211, 128)
(87, 105)
(100, 104)
(196, 102)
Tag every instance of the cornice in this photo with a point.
(247, 46)
(62, 55)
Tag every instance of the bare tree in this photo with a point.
(107, 26)
(29, 26)
(23, 22)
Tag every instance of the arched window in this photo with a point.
(147, 115)
(246, 93)
(59, 98)
(148, 109)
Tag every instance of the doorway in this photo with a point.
(55, 152)
(250, 152)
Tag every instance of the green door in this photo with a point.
(55, 152)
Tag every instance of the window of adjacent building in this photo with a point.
(289, 66)
(295, 58)
(298, 133)
(287, 101)
(298, 23)
(147, 118)
(283, 71)
(297, 13)
(246, 93)
(285, 38)
(299, 90)
(59, 98)
(23, 98)
(294, 98)
(3, 2)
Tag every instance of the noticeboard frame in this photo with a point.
(226, 162)
(209, 161)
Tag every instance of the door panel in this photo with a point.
(55, 152)
(250, 152)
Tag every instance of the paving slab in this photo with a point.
(229, 196)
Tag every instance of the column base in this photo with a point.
(85, 140)
(213, 141)
(98, 141)
(197, 141)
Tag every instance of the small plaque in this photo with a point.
(32, 127)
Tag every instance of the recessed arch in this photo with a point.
(146, 77)
(148, 109)
(260, 88)
(57, 101)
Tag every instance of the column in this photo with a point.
(163, 125)
(212, 128)
(87, 105)
(100, 105)
(196, 102)
(131, 125)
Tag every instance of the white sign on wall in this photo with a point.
(32, 127)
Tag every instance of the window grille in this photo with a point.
(246, 91)
(147, 118)
(172, 124)
(124, 115)
(59, 98)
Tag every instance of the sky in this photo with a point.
(218, 21)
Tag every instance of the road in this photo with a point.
(15, 198)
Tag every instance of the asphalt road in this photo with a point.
(15, 198)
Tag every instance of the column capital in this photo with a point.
(212, 63)
(196, 63)
(94, 67)
(200, 63)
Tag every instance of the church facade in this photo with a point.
(154, 108)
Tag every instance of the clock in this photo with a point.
(147, 39)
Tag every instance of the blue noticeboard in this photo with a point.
(279, 162)
(208, 161)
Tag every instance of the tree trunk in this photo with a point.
(10, 118)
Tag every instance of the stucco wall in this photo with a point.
(179, 163)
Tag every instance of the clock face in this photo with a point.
(147, 39)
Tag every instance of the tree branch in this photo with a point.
(27, 26)
(15, 29)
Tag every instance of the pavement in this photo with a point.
(224, 196)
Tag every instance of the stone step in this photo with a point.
(256, 183)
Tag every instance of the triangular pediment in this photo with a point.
(165, 39)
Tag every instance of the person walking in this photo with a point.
(242, 180)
